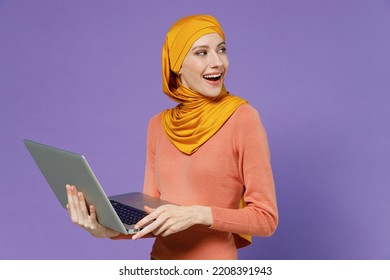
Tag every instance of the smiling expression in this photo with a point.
(205, 66)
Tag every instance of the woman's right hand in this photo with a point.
(79, 214)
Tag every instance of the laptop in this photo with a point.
(59, 167)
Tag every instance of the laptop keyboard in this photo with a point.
(127, 214)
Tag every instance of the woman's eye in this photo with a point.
(222, 50)
(201, 53)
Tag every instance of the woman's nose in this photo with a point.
(215, 60)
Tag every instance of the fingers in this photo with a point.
(148, 209)
(152, 223)
(92, 215)
(71, 206)
(167, 220)
(148, 219)
(148, 229)
(83, 208)
(76, 206)
(78, 211)
(141, 224)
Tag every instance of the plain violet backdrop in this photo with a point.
(86, 76)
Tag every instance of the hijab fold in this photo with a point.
(196, 118)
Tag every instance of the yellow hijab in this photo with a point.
(197, 118)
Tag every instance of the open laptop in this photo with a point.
(60, 167)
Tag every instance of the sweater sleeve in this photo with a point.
(260, 216)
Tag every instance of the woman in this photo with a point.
(209, 155)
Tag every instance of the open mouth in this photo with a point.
(213, 77)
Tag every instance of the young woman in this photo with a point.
(209, 156)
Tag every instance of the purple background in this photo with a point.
(85, 76)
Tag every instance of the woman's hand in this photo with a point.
(79, 214)
(169, 219)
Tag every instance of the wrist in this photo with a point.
(204, 215)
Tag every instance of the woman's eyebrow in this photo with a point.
(206, 46)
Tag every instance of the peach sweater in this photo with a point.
(234, 163)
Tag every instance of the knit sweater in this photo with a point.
(233, 164)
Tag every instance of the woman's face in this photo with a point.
(205, 66)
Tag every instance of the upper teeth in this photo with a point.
(212, 76)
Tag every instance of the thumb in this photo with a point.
(148, 209)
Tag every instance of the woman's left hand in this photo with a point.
(169, 219)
